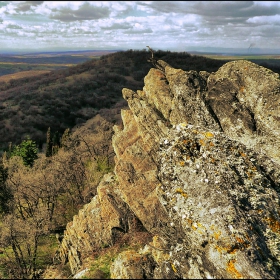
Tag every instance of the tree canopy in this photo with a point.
(27, 150)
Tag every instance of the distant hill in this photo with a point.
(17, 62)
(22, 74)
(64, 98)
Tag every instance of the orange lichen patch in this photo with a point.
(228, 249)
(212, 159)
(209, 134)
(186, 141)
(243, 243)
(241, 89)
(211, 144)
(180, 191)
(249, 174)
(182, 163)
(193, 227)
(231, 269)
(189, 221)
(254, 168)
(248, 237)
(201, 229)
(232, 250)
(273, 223)
(174, 268)
(240, 240)
(155, 238)
(216, 235)
(219, 249)
(201, 142)
(242, 154)
(145, 258)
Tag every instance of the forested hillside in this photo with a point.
(40, 193)
(64, 98)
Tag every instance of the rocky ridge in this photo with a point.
(197, 166)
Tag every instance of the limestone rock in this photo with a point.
(245, 97)
(198, 163)
(219, 190)
(132, 265)
(99, 224)
(132, 157)
(222, 202)
(80, 274)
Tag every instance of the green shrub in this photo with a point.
(27, 150)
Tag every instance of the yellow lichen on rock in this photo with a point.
(232, 270)
(209, 135)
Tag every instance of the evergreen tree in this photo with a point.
(5, 193)
(27, 150)
(49, 143)
(65, 139)
(55, 143)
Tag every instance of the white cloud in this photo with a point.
(260, 20)
(132, 24)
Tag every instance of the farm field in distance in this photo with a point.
(232, 57)
(16, 66)
(259, 59)
(22, 74)
(31, 64)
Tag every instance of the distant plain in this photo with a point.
(20, 64)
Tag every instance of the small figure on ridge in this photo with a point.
(158, 64)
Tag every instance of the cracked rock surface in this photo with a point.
(212, 141)
(198, 163)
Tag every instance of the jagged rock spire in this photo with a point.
(158, 64)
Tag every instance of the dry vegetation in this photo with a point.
(45, 197)
(22, 74)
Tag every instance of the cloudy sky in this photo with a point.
(166, 25)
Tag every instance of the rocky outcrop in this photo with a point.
(98, 225)
(197, 162)
(200, 137)
(245, 98)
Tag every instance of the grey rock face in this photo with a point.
(198, 163)
(245, 98)
(217, 175)
(223, 204)
(99, 224)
